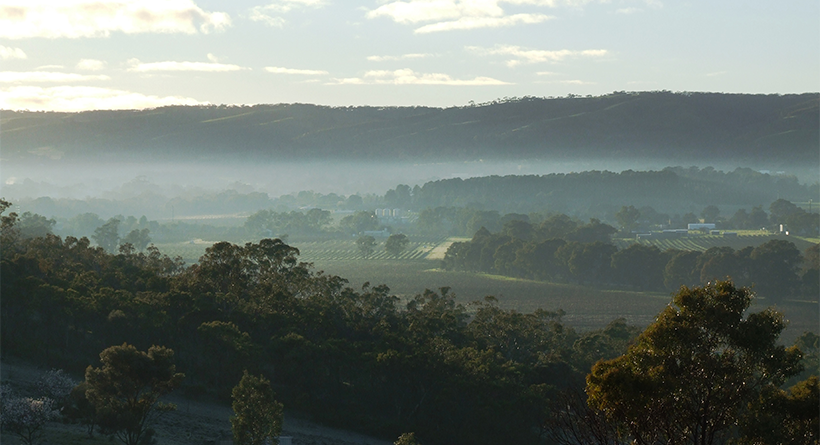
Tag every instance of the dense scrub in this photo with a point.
(354, 358)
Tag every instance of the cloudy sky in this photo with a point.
(75, 55)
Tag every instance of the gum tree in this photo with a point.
(396, 244)
(257, 415)
(692, 374)
(127, 388)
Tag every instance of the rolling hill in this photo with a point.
(679, 127)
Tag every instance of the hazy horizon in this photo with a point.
(118, 180)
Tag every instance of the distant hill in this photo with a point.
(662, 125)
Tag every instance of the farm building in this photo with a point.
(701, 226)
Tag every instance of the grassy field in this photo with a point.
(413, 272)
(585, 307)
(417, 269)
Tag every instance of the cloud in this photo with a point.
(416, 11)
(81, 98)
(401, 57)
(7, 52)
(566, 82)
(522, 55)
(137, 66)
(410, 77)
(270, 14)
(280, 70)
(90, 65)
(21, 19)
(46, 77)
(347, 81)
(483, 22)
(574, 82)
(449, 15)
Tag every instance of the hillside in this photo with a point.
(707, 127)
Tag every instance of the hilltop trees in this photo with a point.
(692, 373)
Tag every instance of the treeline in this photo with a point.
(352, 358)
(139, 233)
(561, 249)
(783, 216)
(593, 194)
(121, 229)
(161, 206)
(598, 193)
(601, 193)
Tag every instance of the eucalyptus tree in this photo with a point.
(691, 375)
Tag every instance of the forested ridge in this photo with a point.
(780, 129)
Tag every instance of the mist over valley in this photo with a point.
(367, 257)
(409, 222)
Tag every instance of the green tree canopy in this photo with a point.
(366, 244)
(776, 264)
(359, 222)
(138, 238)
(128, 386)
(107, 235)
(781, 209)
(692, 374)
(32, 225)
(710, 214)
(627, 217)
(396, 244)
(257, 415)
(8, 231)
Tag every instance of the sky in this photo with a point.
(76, 55)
